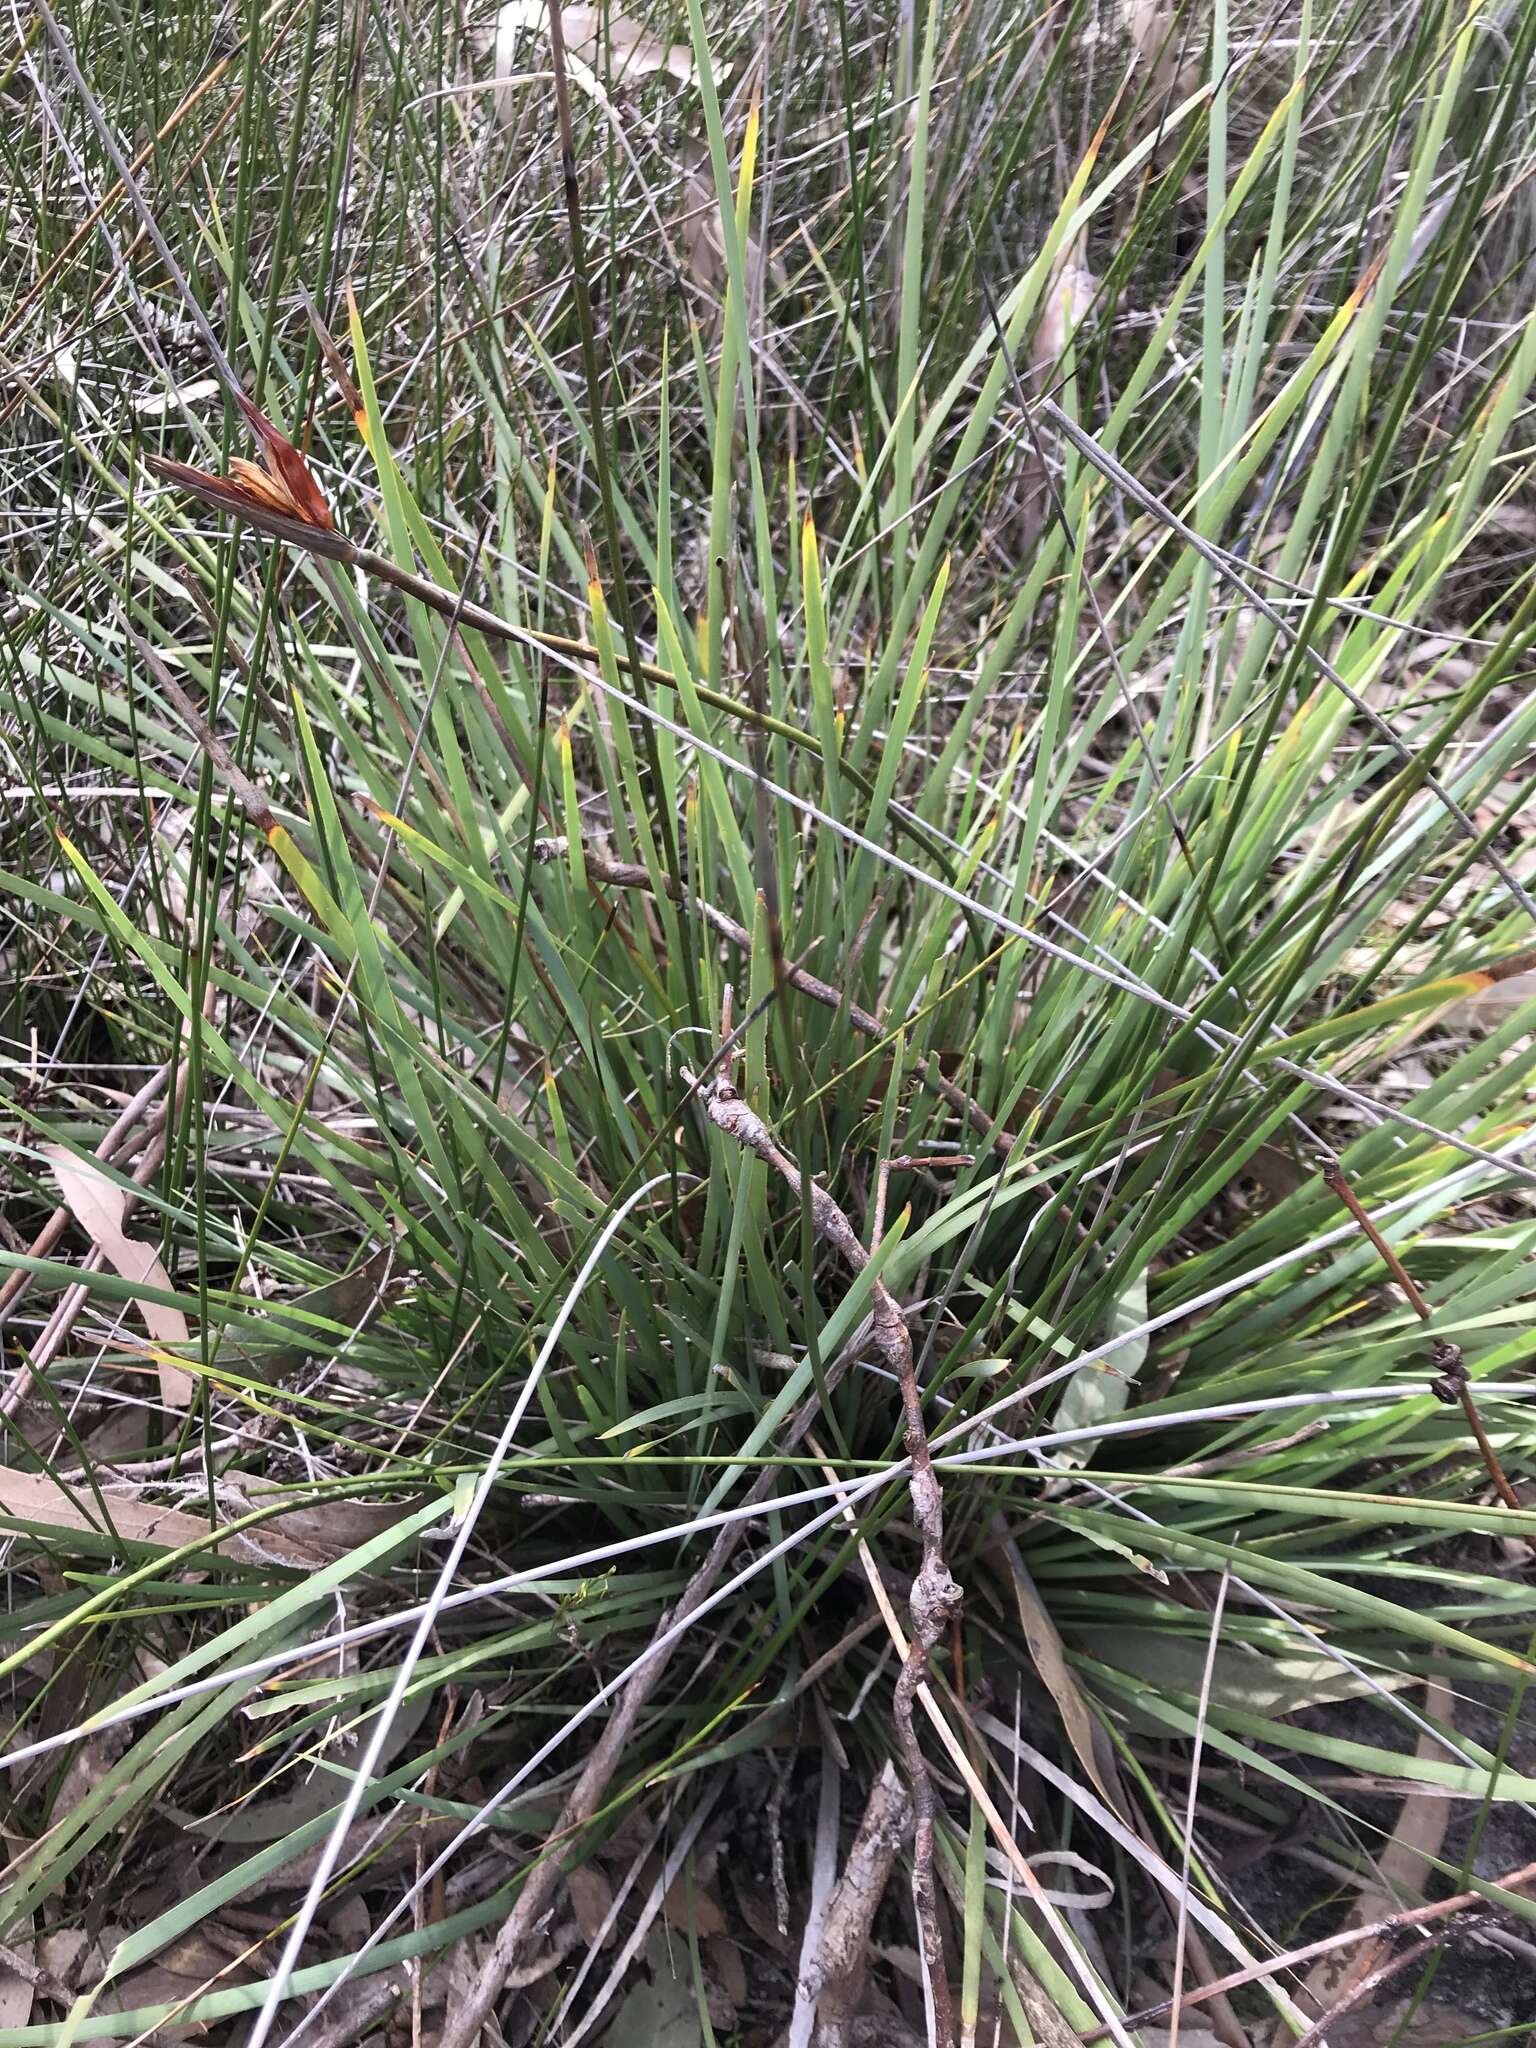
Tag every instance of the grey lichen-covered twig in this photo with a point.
(935, 1595)
(835, 1976)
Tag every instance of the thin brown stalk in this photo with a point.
(1452, 1383)
(1333, 1179)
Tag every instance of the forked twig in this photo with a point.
(1329, 1944)
(935, 1595)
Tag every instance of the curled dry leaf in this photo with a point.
(591, 1903)
(1099, 1889)
(330, 1527)
(1068, 296)
(97, 1204)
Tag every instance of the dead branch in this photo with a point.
(935, 1595)
(835, 1976)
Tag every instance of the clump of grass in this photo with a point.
(915, 706)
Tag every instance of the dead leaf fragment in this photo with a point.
(33, 1498)
(660, 2009)
(591, 1903)
(703, 238)
(1067, 299)
(97, 1204)
(1047, 1652)
(18, 1985)
(209, 1958)
(38, 1502)
(727, 1969)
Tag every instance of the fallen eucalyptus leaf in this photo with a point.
(97, 1204)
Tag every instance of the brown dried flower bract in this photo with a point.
(280, 483)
